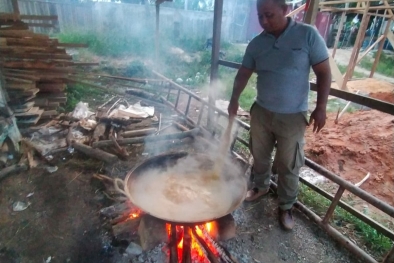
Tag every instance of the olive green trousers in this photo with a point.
(287, 132)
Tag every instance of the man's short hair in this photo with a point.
(281, 3)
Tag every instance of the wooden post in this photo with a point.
(340, 27)
(217, 26)
(370, 48)
(157, 32)
(311, 12)
(15, 7)
(356, 47)
(380, 48)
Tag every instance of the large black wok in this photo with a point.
(178, 187)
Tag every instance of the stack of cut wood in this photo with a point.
(35, 67)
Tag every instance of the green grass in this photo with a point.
(116, 44)
(356, 74)
(376, 243)
(78, 92)
(385, 65)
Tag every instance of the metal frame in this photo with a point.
(344, 185)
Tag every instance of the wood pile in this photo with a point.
(35, 68)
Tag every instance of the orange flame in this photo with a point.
(197, 252)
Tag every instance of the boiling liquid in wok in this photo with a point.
(190, 191)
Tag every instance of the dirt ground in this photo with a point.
(362, 142)
(61, 221)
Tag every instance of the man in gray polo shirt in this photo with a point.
(282, 56)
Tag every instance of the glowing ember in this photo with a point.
(135, 214)
(197, 252)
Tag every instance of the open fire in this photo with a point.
(185, 243)
(185, 239)
(195, 243)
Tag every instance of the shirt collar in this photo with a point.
(290, 23)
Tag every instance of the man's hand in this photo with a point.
(233, 107)
(318, 118)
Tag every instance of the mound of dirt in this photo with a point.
(369, 85)
(362, 142)
(385, 96)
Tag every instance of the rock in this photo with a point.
(152, 232)
(227, 227)
(134, 249)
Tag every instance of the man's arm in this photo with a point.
(240, 81)
(323, 83)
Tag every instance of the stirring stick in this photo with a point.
(224, 146)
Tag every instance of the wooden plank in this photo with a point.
(34, 111)
(15, 6)
(296, 11)
(353, 8)
(356, 48)
(36, 65)
(7, 41)
(369, 49)
(340, 27)
(311, 13)
(21, 33)
(23, 49)
(37, 56)
(389, 8)
(50, 86)
(40, 102)
(336, 73)
(380, 49)
(39, 17)
(20, 86)
(372, 103)
(31, 120)
(18, 94)
(16, 17)
(390, 37)
(49, 113)
(18, 25)
(44, 25)
(344, 2)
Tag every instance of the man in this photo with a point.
(282, 56)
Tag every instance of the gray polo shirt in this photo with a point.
(283, 66)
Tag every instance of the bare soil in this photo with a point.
(362, 142)
(61, 221)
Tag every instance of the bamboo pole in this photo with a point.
(356, 47)
(380, 49)
(340, 27)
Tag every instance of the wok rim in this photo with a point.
(177, 155)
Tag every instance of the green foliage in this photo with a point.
(116, 44)
(77, 93)
(385, 65)
(375, 242)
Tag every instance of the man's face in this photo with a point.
(271, 16)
